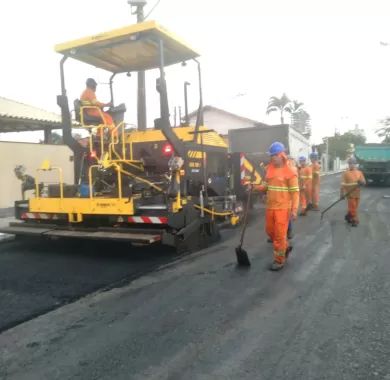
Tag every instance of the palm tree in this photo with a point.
(281, 104)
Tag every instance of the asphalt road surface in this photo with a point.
(325, 316)
(37, 277)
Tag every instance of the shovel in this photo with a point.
(242, 255)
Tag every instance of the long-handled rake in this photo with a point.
(338, 200)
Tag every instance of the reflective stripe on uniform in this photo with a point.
(349, 184)
(278, 188)
(306, 176)
(292, 189)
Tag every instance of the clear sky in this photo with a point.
(325, 53)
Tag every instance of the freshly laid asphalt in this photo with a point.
(40, 276)
(325, 316)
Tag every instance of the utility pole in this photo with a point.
(327, 154)
(187, 120)
(141, 94)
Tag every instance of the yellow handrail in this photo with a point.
(82, 108)
(115, 141)
(151, 184)
(227, 213)
(117, 167)
(90, 179)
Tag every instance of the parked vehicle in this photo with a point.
(374, 162)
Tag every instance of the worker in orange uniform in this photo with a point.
(315, 168)
(352, 179)
(293, 165)
(88, 98)
(281, 186)
(305, 184)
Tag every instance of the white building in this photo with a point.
(222, 121)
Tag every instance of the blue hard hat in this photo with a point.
(302, 158)
(276, 148)
(314, 155)
(352, 161)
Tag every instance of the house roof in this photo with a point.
(219, 110)
(19, 117)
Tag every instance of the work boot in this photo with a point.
(354, 223)
(310, 206)
(288, 251)
(276, 266)
(290, 235)
(269, 240)
(347, 218)
(303, 213)
(316, 208)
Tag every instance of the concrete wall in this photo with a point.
(31, 156)
(222, 122)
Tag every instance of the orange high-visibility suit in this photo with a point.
(88, 98)
(281, 185)
(305, 183)
(349, 180)
(316, 168)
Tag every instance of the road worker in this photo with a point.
(281, 186)
(305, 185)
(316, 168)
(88, 98)
(293, 165)
(351, 181)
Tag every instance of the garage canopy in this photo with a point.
(20, 117)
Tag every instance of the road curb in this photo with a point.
(331, 173)
(6, 237)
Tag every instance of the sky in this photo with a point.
(324, 53)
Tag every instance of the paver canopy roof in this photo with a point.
(131, 48)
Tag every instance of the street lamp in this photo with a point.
(137, 3)
(141, 97)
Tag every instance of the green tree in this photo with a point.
(282, 105)
(55, 138)
(384, 131)
(339, 144)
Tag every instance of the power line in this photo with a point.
(153, 8)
